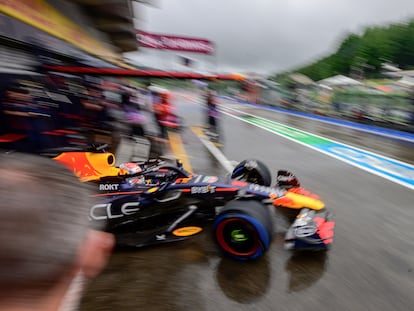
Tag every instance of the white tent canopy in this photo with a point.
(406, 81)
(301, 79)
(339, 80)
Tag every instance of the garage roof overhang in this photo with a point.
(115, 18)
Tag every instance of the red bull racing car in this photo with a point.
(150, 202)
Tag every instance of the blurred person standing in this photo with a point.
(212, 112)
(162, 112)
(94, 111)
(47, 250)
(25, 116)
(134, 117)
(147, 97)
(16, 116)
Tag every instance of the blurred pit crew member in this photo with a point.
(212, 112)
(22, 116)
(94, 111)
(163, 111)
(47, 250)
(134, 117)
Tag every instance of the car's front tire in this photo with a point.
(243, 229)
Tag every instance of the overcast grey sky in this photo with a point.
(264, 36)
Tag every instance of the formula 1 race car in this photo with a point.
(150, 202)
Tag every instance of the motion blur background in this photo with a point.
(71, 71)
(49, 47)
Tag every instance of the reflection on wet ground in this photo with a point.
(194, 275)
(304, 270)
(152, 278)
(244, 282)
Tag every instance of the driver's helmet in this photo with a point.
(130, 168)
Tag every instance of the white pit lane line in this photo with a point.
(405, 171)
(398, 172)
(228, 165)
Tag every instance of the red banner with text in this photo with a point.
(174, 43)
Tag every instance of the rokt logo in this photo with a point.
(110, 187)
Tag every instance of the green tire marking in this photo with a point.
(239, 236)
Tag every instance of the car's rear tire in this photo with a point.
(243, 229)
(253, 171)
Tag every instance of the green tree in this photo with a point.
(363, 56)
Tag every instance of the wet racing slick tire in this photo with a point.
(253, 171)
(243, 229)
